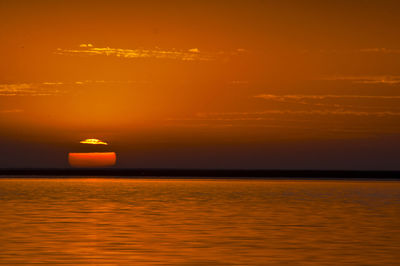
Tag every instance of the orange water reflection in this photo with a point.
(177, 222)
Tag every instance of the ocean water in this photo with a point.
(199, 222)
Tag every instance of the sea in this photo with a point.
(129, 221)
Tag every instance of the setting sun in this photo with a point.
(96, 154)
(92, 159)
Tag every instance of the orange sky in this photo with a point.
(214, 78)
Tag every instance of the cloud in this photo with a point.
(388, 79)
(328, 113)
(194, 50)
(337, 101)
(193, 54)
(298, 123)
(236, 115)
(13, 89)
(93, 142)
(86, 45)
(354, 51)
(380, 50)
(265, 115)
(52, 88)
(30, 89)
(52, 83)
(324, 96)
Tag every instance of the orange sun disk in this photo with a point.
(92, 159)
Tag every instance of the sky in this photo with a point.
(202, 84)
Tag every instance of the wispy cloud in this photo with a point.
(282, 118)
(287, 123)
(52, 88)
(86, 45)
(29, 89)
(380, 50)
(324, 96)
(191, 54)
(388, 79)
(260, 114)
(327, 113)
(337, 101)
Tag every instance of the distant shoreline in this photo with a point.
(199, 173)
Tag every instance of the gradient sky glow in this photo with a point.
(202, 84)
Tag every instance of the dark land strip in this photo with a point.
(198, 173)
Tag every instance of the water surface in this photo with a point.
(199, 222)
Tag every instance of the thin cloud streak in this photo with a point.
(340, 112)
(382, 50)
(325, 96)
(389, 79)
(270, 115)
(339, 100)
(297, 122)
(51, 88)
(192, 54)
(30, 89)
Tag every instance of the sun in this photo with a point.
(92, 159)
(93, 156)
